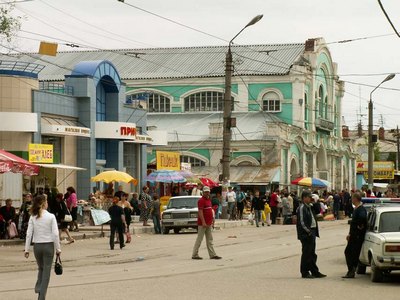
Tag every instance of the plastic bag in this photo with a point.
(263, 216)
(250, 217)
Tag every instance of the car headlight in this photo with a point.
(193, 215)
(166, 216)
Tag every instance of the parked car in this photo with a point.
(181, 212)
(381, 247)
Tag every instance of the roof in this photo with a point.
(188, 126)
(184, 62)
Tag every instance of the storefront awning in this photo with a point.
(61, 166)
(243, 175)
(58, 126)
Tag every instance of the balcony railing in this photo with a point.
(56, 88)
(324, 124)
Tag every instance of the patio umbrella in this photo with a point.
(165, 176)
(189, 176)
(15, 164)
(208, 182)
(311, 182)
(118, 176)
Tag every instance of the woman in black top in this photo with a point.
(60, 210)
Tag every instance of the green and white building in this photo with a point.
(286, 100)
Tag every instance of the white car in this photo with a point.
(381, 247)
(181, 212)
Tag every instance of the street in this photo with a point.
(258, 263)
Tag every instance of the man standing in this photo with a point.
(307, 231)
(117, 223)
(204, 221)
(231, 198)
(356, 235)
(273, 203)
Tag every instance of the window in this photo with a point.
(271, 102)
(156, 102)
(389, 222)
(306, 121)
(320, 101)
(205, 101)
(195, 162)
(101, 149)
(100, 103)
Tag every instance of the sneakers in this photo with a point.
(216, 257)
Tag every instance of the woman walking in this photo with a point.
(126, 206)
(43, 232)
(72, 204)
(146, 204)
(60, 211)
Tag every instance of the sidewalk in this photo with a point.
(136, 227)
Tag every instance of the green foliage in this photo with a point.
(9, 24)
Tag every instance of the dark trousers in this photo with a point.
(156, 222)
(308, 256)
(120, 228)
(352, 253)
(240, 207)
(44, 253)
(274, 214)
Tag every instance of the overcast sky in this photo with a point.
(362, 64)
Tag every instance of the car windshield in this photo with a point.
(182, 203)
(389, 222)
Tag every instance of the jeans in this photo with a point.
(231, 209)
(257, 214)
(157, 226)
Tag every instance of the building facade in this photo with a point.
(83, 117)
(286, 102)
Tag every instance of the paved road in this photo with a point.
(258, 263)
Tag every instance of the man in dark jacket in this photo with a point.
(117, 223)
(355, 238)
(307, 231)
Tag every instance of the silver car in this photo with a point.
(181, 212)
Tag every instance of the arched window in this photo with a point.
(326, 115)
(195, 162)
(155, 102)
(320, 101)
(271, 102)
(205, 101)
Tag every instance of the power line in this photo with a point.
(388, 18)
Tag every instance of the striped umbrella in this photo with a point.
(311, 182)
(165, 176)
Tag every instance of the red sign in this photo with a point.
(128, 131)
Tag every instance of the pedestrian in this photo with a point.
(43, 233)
(231, 199)
(336, 204)
(205, 220)
(273, 203)
(117, 223)
(155, 214)
(60, 211)
(135, 204)
(257, 205)
(126, 206)
(355, 238)
(241, 199)
(197, 190)
(145, 200)
(286, 209)
(120, 192)
(24, 213)
(72, 204)
(307, 232)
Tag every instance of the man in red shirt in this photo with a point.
(204, 221)
(273, 203)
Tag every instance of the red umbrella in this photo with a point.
(15, 164)
(208, 182)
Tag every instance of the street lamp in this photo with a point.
(370, 134)
(226, 136)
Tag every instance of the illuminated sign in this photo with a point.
(41, 153)
(168, 160)
(381, 169)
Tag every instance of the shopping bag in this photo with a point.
(12, 230)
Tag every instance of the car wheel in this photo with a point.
(165, 230)
(361, 269)
(376, 273)
(176, 230)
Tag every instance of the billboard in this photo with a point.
(168, 160)
(381, 169)
(41, 153)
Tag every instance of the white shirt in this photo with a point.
(43, 230)
(231, 196)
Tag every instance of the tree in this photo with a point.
(9, 24)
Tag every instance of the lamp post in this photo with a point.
(227, 134)
(370, 134)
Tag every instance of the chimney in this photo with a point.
(381, 133)
(310, 45)
(345, 131)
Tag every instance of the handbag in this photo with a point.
(67, 217)
(58, 269)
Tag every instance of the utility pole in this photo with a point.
(227, 134)
(371, 138)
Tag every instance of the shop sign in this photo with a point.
(381, 169)
(115, 130)
(41, 153)
(168, 160)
